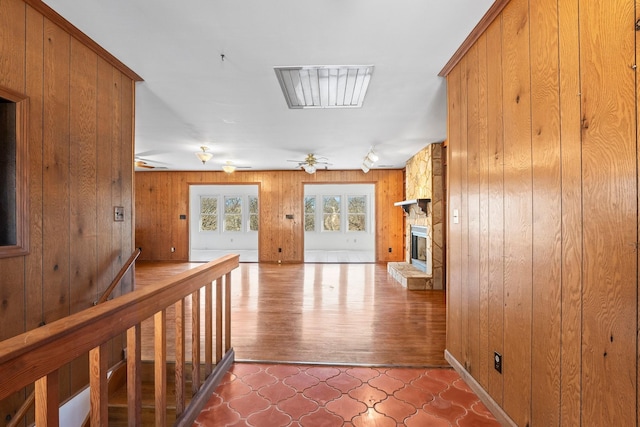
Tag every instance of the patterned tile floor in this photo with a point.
(265, 395)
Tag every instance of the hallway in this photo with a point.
(331, 344)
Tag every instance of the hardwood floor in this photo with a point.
(353, 314)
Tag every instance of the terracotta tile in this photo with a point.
(233, 390)
(344, 382)
(480, 409)
(301, 381)
(321, 418)
(321, 393)
(471, 419)
(346, 407)
(445, 375)
(259, 380)
(414, 396)
(282, 371)
(271, 417)
(277, 392)
(444, 409)
(298, 406)
(323, 373)
(242, 369)
(430, 385)
(368, 395)
(394, 408)
(422, 419)
(363, 374)
(463, 398)
(386, 383)
(249, 404)
(372, 418)
(406, 375)
(214, 400)
(222, 415)
(462, 385)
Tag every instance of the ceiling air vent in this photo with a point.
(340, 86)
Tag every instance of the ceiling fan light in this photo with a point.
(310, 169)
(228, 167)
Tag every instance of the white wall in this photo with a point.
(343, 239)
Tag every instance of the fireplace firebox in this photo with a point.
(419, 249)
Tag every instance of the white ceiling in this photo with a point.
(192, 97)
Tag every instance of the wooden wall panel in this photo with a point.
(496, 206)
(472, 213)
(454, 231)
(562, 211)
(571, 305)
(281, 193)
(547, 213)
(485, 354)
(517, 211)
(609, 181)
(70, 125)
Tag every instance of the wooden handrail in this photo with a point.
(127, 265)
(36, 356)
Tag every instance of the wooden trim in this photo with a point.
(202, 396)
(22, 175)
(57, 19)
(475, 34)
(491, 404)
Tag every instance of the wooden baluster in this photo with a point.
(218, 319)
(180, 359)
(47, 401)
(227, 312)
(195, 341)
(208, 331)
(134, 375)
(98, 386)
(160, 337)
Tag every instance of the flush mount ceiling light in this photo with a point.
(340, 86)
(203, 155)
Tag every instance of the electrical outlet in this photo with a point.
(497, 361)
(279, 249)
(173, 250)
(389, 250)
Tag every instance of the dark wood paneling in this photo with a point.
(281, 193)
(547, 214)
(12, 46)
(609, 182)
(517, 210)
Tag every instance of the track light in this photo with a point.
(369, 160)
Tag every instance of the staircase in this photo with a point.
(118, 395)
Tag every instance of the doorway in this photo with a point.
(339, 223)
(223, 219)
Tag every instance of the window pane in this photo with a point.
(208, 213)
(331, 213)
(253, 213)
(310, 213)
(357, 206)
(232, 214)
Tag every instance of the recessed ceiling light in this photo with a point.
(340, 86)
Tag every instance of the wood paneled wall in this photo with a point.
(161, 197)
(543, 264)
(80, 138)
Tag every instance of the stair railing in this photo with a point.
(37, 355)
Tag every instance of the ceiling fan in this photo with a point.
(309, 164)
(144, 164)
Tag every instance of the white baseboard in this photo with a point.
(488, 401)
